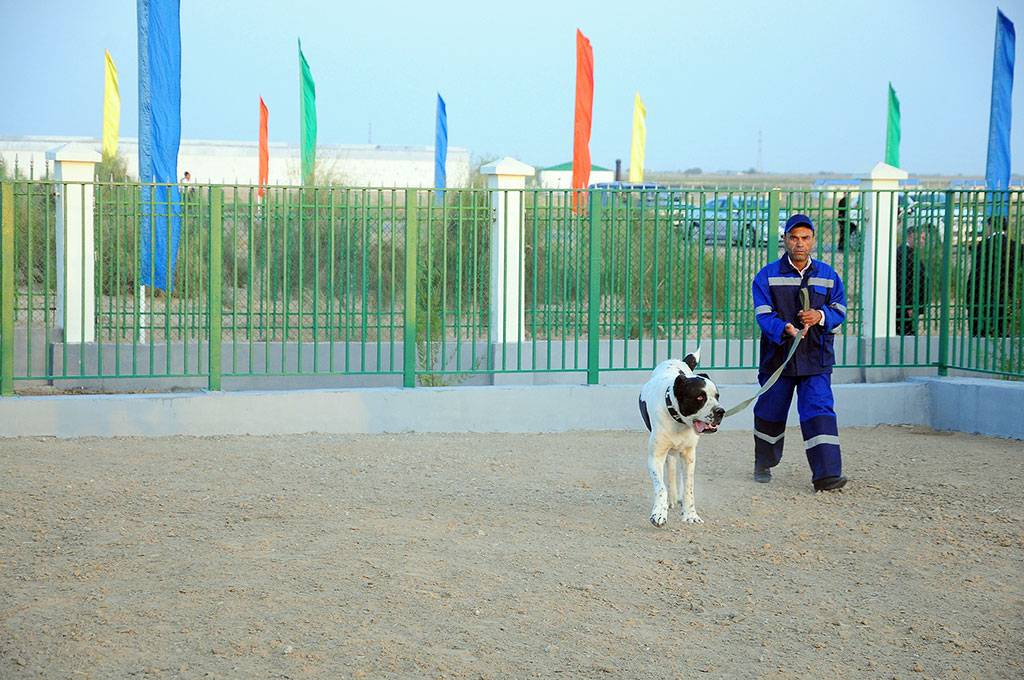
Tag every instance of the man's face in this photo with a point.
(799, 243)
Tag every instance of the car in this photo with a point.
(739, 220)
(631, 194)
(928, 208)
(651, 197)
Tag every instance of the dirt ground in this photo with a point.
(506, 556)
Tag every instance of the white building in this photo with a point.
(238, 162)
(560, 176)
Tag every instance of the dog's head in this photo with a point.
(697, 398)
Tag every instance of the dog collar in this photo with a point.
(672, 409)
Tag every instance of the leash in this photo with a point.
(805, 299)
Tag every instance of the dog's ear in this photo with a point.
(678, 386)
(692, 358)
(704, 375)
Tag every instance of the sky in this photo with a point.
(787, 86)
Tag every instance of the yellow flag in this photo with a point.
(111, 110)
(636, 157)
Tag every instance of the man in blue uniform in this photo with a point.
(781, 312)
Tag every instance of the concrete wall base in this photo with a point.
(990, 407)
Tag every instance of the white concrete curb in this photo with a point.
(982, 406)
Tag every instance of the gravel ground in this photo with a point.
(506, 556)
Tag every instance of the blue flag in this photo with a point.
(997, 166)
(159, 139)
(441, 149)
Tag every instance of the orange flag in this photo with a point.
(264, 152)
(581, 126)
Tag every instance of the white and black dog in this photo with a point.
(677, 405)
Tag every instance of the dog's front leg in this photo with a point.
(656, 466)
(689, 509)
(672, 479)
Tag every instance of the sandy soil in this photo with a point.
(506, 556)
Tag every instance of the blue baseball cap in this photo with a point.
(799, 220)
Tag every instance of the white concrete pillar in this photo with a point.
(506, 179)
(74, 170)
(881, 237)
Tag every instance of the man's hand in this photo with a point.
(808, 319)
(811, 317)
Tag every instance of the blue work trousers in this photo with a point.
(818, 423)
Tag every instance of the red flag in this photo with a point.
(264, 152)
(581, 126)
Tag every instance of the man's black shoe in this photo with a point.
(830, 483)
(762, 474)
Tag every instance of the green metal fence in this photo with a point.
(402, 283)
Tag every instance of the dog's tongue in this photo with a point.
(699, 426)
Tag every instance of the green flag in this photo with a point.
(892, 134)
(307, 118)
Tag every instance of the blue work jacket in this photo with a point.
(777, 302)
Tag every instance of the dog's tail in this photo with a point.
(643, 413)
(692, 358)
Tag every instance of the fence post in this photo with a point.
(74, 169)
(412, 249)
(772, 247)
(507, 179)
(216, 291)
(878, 276)
(594, 289)
(947, 278)
(6, 289)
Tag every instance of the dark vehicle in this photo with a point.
(928, 208)
(631, 194)
(740, 220)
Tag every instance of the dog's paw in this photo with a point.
(659, 517)
(692, 517)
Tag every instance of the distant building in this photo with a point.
(837, 187)
(238, 162)
(964, 184)
(560, 176)
(967, 184)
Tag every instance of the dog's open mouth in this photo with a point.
(704, 428)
